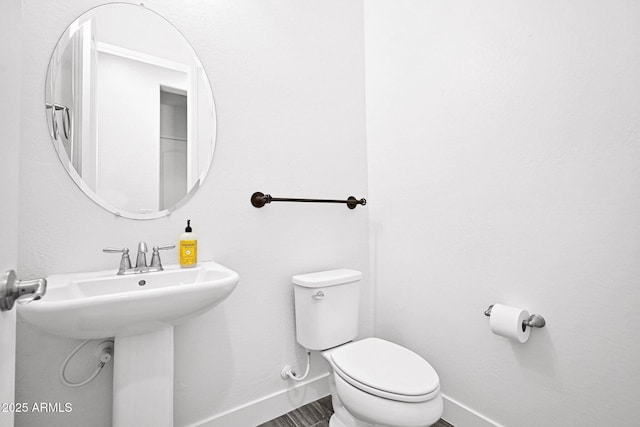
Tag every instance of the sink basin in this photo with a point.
(102, 304)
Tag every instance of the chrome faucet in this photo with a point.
(141, 259)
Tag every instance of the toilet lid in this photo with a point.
(385, 366)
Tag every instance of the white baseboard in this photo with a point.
(272, 406)
(462, 416)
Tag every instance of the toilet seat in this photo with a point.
(386, 370)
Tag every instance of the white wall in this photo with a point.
(504, 154)
(288, 82)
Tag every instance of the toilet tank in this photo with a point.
(327, 305)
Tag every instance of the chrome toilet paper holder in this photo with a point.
(535, 320)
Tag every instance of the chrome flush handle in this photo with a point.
(318, 295)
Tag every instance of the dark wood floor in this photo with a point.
(315, 414)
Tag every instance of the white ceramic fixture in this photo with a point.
(374, 382)
(140, 311)
(101, 304)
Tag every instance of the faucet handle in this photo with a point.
(116, 250)
(125, 261)
(155, 258)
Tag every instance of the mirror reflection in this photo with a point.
(130, 110)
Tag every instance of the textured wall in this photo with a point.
(514, 127)
(288, 81)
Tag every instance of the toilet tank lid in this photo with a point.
(327, 278)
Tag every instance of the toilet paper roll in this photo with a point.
(506, 321)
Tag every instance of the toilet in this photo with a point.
(373, 382)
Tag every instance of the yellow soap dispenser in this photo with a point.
(188, 247)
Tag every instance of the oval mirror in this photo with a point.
(130, 110)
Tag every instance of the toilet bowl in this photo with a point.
(380, 383)
(374, 382)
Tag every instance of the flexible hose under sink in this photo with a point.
(104, 358)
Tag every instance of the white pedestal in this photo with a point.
(143, 380)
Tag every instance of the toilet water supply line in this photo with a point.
(287, 371)
(106, 350)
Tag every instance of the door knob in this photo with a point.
(23, 291)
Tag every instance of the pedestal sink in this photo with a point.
(140, 311)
